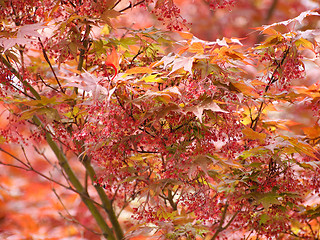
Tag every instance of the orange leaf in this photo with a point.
(312, 132)
(196, 47)
(186, 35)
(246, 89)
(139, 70)
(113, 58)
(253, 135)
(302, 147)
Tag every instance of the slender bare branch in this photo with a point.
(50, 65)
(131, 6)
(71, 218)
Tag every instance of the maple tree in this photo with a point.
(136, 132)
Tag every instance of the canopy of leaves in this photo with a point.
(134, 131)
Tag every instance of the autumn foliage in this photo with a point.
(115, 128)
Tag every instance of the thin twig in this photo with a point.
(222, 219)
(18, 75)
(28, 168)
(15, 72)
(72, 219)
(41, 153)
(46, 83)
(85, 43)
(310, 227)
(131, 6)
(272, 80)
(50, 65)
(132, 60)
(116, 4)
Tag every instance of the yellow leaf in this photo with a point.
(163, 98)
(256, 82)
(234, 55)
(105, 30)
(42, 102)
(304, 43)
(271, 41)
(142, 156)
(152, 79)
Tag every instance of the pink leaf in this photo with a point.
(198, 110)
(182, 62)
(30, 30)
(8, 43)
(299, 19)
(23, 36)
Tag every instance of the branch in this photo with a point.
(170, 199)
(106, 202)
(131, 6)
(46, 83)
(310, 227)
(116, 4)
(25, 83)
(231, 220)
(50, 65)
(223, 217)
(272, 80)
(63, 161)
(72, 219)
(29, 168)
(85, 43)
(271, 11)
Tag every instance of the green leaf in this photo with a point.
(269, 199)
(263, 218)
(43, 102)
(50, 113)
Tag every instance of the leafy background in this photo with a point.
(33, 208)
